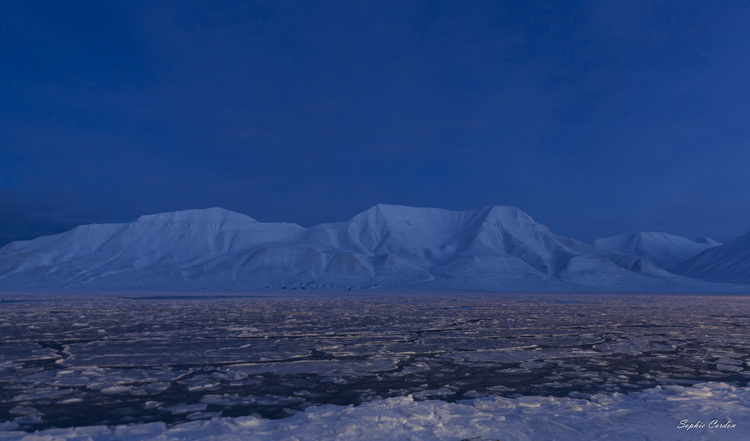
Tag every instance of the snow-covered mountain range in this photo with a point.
(385, 247)
(664, 249)
(727, 263)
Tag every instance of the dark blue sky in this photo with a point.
(595, 118)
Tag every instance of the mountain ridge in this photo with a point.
(729, 263)
(498, 248)
(664, 249)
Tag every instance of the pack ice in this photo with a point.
(711, 411)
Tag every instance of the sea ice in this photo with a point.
(221, 366)
(718, 411)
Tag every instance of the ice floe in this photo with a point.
(709, 411)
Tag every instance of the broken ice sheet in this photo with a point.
(321, 367)
(277, 356)
(151, 352)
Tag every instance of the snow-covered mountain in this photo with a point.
(664, 249)
(727, 263)
(386, 247)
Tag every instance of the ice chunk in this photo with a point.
(186, 408)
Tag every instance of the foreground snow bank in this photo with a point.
(704, 412)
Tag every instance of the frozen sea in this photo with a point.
(452, 366)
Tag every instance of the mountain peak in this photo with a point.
(406, 213)
(664, 249)
(402, 214)
(391, 210)
(729, 262)
(708, 241)
(506, 212)
(204, 215)
(386, 246)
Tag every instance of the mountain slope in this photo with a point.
(727, 263)
(663, 249)
(386, 247)
(161, 246)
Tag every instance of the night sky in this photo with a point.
(596, 118)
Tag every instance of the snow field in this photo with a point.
(709, 411)
(386, 247)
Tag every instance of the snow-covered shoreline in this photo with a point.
(704, 411)
(473, 367)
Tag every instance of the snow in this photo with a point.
(385, 247)
(709, 411)
(175, 360)
(727, 263)
(396, 366)
(664, 249)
